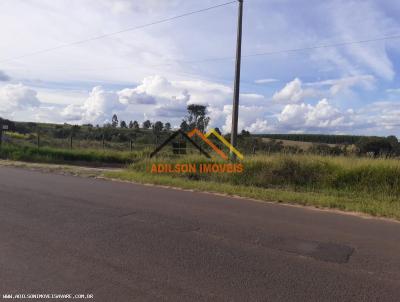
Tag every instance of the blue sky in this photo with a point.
(154, 72)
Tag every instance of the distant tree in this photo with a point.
(123, 124)
(393, 140)
(184, 126)
(245, 133)
(147, 124)
(114, 121)
(375, 145)
(167, 126)
(130, 124)
(197, 117)
(136, 125)
(158, 127)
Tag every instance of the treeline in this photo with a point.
(146, 132)
(316, 138)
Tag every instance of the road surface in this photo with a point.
(126, 242)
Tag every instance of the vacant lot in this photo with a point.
(348, 183)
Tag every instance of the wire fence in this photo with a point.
(176, 147)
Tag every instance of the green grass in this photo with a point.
(364, 185)
(370, 186)
(53, 155)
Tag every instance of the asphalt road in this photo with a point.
(126, 242)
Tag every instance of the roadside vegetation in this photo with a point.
(54, 155)
(371, 186)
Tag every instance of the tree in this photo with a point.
(130, 125)
(158, 127)
(114, 121)
(147, 124)
(197, 117)
(245, 133)
(375, 145)
(135, 125)
(123, 124)
(184, 126)
(167, 126)
(393, 141)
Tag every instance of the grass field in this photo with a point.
(370, 186)
(302, 145)
(54, 155)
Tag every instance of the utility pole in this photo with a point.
(1, 134)
(236, 95)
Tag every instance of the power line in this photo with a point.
(120, 31)
(392, 37)
(171, 62)
(288, 50)
(323, 46)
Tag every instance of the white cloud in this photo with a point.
(293, 92)
(249, 117)
(297, 92)
(383, 115)
(265, 81)
(14, 97)
(344, 84)
(132, 96)
(259, 126)
(97, 108)
(308, 117)
(156, 97)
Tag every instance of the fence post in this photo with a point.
(38, 140)
(70, 142)
(131, 145)
(103, 143)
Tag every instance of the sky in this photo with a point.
(154, 72)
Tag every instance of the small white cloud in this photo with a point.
(346, 83)
(265, 81)
(260, 126)
(293, 92)
(250, 117)
(133, 96)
